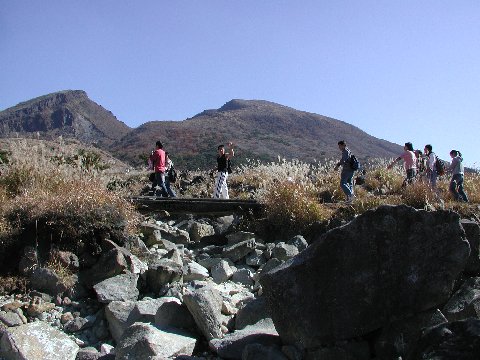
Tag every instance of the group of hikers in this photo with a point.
(162, 166)
(423, 166)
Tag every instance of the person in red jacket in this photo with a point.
(158, 161)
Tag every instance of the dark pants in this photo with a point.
(456, 188)
(160, 179)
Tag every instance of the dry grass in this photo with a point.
(48, 201)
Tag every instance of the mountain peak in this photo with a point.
(68, 113)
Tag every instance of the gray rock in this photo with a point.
(119, 288)
(385, 264)
(162, 272)
(173, 314)
(88, 353)
(199, 230)
(75, 324)
(194, 271)
(283, 251)
(256, 258)
(299, 242)
(221, 272)
(47, 280)
(238, 251)
(117, 314)
(223, 224)
(239, 236)
(37, 340)
(270, 265)
(243, 276)
(456, 340)
(253, 312)
(205, 305)
(396, 339)
(10, 318)
(233, 344)
(145, 341)
(465, 302)
(110, 264)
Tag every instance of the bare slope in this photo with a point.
(260, 130)
(70, 114)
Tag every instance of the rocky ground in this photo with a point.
(393, 283)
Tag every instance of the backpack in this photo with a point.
(439, 166)
(172, 174)
(354, 163)
(229, 166)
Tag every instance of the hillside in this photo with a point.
(70, 114)
(259, 129)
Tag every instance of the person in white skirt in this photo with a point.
(223, 159)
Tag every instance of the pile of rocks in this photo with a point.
(394, 282)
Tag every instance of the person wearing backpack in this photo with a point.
(410, 163)
(346, 176)
(431, 170)
(223, 158)
(158, 161)
(168, 171)
(456, 184)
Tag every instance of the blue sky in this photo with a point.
(400, 70)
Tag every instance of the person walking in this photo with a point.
(456, 183)
(158, 160)
(410, 163)
(346, 176)
(168, 168)
(430, 170)
(223, 158)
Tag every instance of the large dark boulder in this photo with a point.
(386, 264)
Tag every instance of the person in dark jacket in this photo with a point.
(346, 176)
(221, 189)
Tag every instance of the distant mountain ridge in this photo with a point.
(259, 129)
(67, 113)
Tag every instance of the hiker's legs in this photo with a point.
(346, 183)
(170, 191)
(456, 187)
(221, 189)
(160, 178)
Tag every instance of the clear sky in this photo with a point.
(402, 71)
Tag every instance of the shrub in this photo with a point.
(292, 207)
(419, 195)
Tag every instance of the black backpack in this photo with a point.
(439, 166)
(354, 163)
(172, 174)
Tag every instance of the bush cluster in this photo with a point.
(51, 204)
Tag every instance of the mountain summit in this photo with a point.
(67, 113)
(259, 129)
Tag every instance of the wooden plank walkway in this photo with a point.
(195, 205)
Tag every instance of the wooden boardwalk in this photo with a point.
(195, 205)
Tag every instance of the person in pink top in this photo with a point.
(410, 162)
(158, 161)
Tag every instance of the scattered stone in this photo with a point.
(205, 305)
(119, 288)
(145, 341)
(37, 340)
